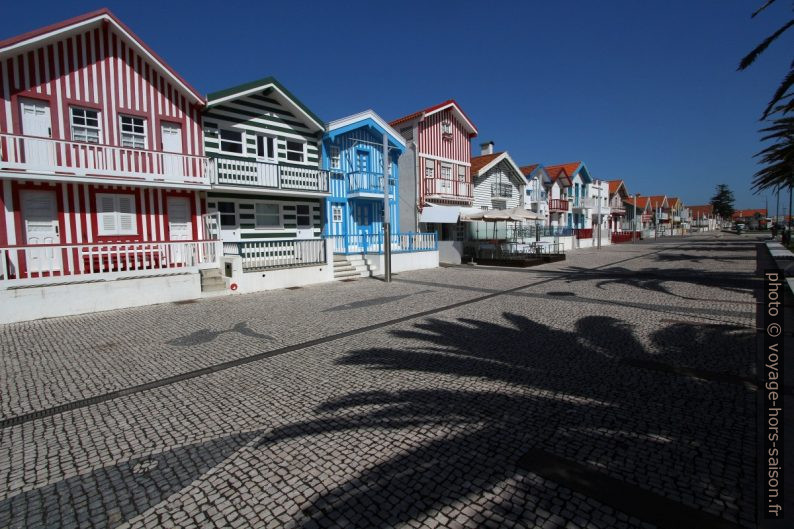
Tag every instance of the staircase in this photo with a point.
(212, 280)
(351, 267)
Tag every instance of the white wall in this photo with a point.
(32, 303)
(450, 252)
(403, 262)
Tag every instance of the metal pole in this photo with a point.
(634, 231)
(599, 215)
(777, 211)
(386, 212)
(790, 185)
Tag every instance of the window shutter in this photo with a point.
(106, 215)
(126, 214)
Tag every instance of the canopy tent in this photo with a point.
(496, 215)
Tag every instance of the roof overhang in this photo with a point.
(370, 119)
(518, 176)
(73, 26)
(456, 110)
(216, 98)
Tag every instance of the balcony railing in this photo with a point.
(584, 203)
(558, 204)
(448, 188)
(230, 171)
(618, 210)
(534, 232)
(367, 182)
(499, 189)
(61, 263)
(662, 216)
(278, 253)
(373, 243)
(583, 233)
(92, 160)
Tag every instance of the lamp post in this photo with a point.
(634, 231)
(599, 215)
(386, 212)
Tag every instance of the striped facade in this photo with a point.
(353, 154)
(94, 63)
(442, 135)
(498, 188)
(268, 122)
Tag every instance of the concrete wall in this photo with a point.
(450, 252)
(32, 303)
(247, 282)
(403, 262)
(406, 167)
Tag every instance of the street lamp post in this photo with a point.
(386, 212)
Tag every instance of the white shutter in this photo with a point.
(106, 213)
(126, 215)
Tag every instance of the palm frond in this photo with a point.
(780, 94)
(778, 158)
(753, 55)
(767, 4)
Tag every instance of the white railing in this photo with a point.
(46, 155)
(373, 243)
(278, 253)
(269, 175)
(60, 263)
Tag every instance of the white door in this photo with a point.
(171, 135)
(230, 228)
(179, 229)
(40, 217)
(36, 123)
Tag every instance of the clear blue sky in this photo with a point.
(646, 91)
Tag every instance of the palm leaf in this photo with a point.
(753, 55)
(767, 4)
(780, 94)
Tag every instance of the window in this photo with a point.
(461, 173)
(228, 213)
(304, 216)
(231, 141)
(336, 214)
(446, 171)
(268, 216)
(430, 169)
(266, 147)
(296, 151)
(133, 132)
(334, 155)
(85, 125)
(116, 214)
(499, 204)
(446, 127)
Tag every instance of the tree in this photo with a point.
(722, 202)
(778, 158)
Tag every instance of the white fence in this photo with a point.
(277, 253)
(271, 175)
(46, 155)
(60, 263)
(373, 243)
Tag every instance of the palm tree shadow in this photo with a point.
(498, 390)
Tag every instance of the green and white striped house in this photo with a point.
(267, 186)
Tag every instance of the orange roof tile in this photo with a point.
(745, 213)
(656, 201)
(527, 169)
(701, 211)
(570, 168)
(614, 185)
(478, 162)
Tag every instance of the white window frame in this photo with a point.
(446, 127)
(334, 157)
(278, 226)
(303, 152)
(242, 142)
(430, 168)
(337, 215)
(461, 173)
(143, 136)
(85, 127)
(101, 229)
(310, 214)
(264, 138)
(448, 167)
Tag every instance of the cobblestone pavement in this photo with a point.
(420, 403)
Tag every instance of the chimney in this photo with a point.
(486, 148)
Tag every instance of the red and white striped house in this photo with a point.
(102, 167)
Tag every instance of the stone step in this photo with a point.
(210, 273)
(213, 287)
(208, 281)
(348, 273)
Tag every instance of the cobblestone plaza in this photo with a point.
(613, 389)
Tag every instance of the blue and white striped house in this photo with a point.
(352, 151)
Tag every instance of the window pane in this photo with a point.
(231, 135)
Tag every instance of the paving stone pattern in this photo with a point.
(415, 424)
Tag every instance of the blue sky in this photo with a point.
(644, 91)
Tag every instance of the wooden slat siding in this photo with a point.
(95, 67)
(339, 185)
(482, 187)
(246, 208)
(77, 215)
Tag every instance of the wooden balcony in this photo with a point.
(449, 189)
(265, 175)
(557, 205)
(103, 163)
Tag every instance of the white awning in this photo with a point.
(440, 214)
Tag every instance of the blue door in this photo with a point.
(363, 170)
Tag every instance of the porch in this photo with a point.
(32, 156)
(367, 184)
(267, 175)
(47, 264)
